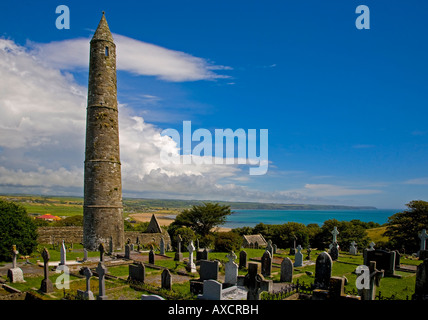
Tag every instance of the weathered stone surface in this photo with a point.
(102, 209)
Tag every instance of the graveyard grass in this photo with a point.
(119, 289)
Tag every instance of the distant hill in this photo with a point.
(67, 206)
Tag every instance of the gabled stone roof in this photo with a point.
(253, 238)
(154, 226)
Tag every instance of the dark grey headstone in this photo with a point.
(208, 270)
(286, 270)
(242, 259)
(323, 268)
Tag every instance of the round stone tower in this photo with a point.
(102, 208)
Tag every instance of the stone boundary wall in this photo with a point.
(75, 235)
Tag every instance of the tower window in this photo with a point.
(106, 52)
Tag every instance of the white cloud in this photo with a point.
(135, 56)
(417, 181)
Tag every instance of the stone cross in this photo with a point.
(88, 294)
(179, 243)
(375, 276)
(423, 236)
(191, 265)
(335, 233)
(178, 254)
(15, 274)
(46, 286)
(298, 257)
(255, 282)
(63, 252)
(353, 248)
(372, 244)
(101, 270)
(231, 269)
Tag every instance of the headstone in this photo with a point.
(385, 260)
(298, 257)
(372, 244)
(87, 294)
(421, 285)
(191, 267)
(275, 248)
(323, 268)
(242, 259)
(208, 270)
(137, 272)
(85, 255)
(374, 276)
(162, 246)
(266, 264)
(101, 249)
(335, 233)
(231, 269)
(110, 247)
(423, 252)
(353, 248)
(15, 274)
(254, 282)
(46, 285)
(127, 251)
(269, 247)
(131, 246)
(334, 252)
(397, 259)
(178, 254)
(166, 280)
(101, 270)
(63, 253)
(211, 290)
(308, 251)
(286, 270)
(151, 255)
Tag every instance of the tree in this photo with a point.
(227, 241)
(16, 228)
(404, 227)
(201, 219)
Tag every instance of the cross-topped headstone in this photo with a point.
(178, 254)
(14, 255)
(372, 244)
(101, 270)
(255, 282)
(46, 285)
(298, 257)
(87, 294)
(374, 281)
(353, 248)
(15, 274)
(231, 269)
(335, 233)
(191, 265)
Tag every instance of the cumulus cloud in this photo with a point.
(135, 56)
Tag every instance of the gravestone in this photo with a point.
(131, 247)
(254, 282)
(46, 285)
(151, 255)
(208, 270)
(353, 248)
(101, 249)
(178, 254)
(298, 257)
(374, 281)
(63, 254)
(151, 297)
(421, 285)
(334, 252)
(308, 251)
(15, 274)
(385, 260)
(335, 232)
(101, 270)
(266, 263)
(87, 294)
(191, 267)
(202, 254)
(286, 270)
(166, 280)
(85, 255)
(423, 252)
(127, 251)
(242, 259)
(231, 269)
(162, 246)
(372, 244)
(211, 290)
(137, 272)
(275, 248)
(323, 268)
(269, 247)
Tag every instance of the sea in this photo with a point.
(250, 218)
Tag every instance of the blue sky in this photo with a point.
(346, 109)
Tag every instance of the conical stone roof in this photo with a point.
(103, 31)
